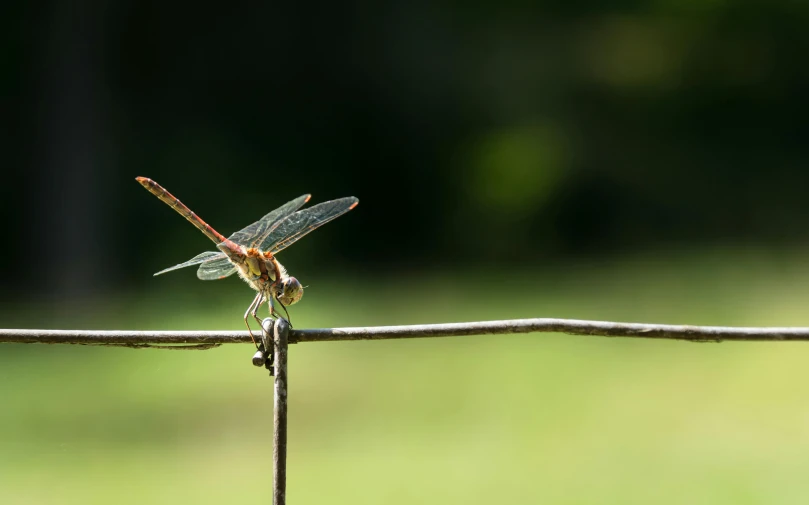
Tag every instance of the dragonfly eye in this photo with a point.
(291, 291)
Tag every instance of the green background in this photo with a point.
(521, 418)
(620, 160)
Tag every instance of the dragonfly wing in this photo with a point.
(291, 229)
(217, 268)
(253, 234)
(196, 260)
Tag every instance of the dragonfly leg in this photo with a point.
(256, 306)
(285, 311)
(255, 303)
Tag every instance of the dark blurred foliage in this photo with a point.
(471, 132)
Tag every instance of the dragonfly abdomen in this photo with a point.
(173, 202)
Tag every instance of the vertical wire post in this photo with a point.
(279, 447)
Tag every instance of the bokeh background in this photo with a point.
(637, 161)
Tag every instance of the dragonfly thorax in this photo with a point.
(261, 271)
(254, 267)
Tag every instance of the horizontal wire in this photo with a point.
(207, 339)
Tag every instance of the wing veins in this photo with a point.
(215, 269)
(255, 233)
(196, 260)
(330, 210)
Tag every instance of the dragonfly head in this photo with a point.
(290, 291)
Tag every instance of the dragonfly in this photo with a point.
(251, 251)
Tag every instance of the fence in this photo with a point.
(277, 335)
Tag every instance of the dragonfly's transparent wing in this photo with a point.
(218, 268)
(288, 231)
(196, 260)
(253, 234)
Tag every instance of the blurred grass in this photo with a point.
(508, 419)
